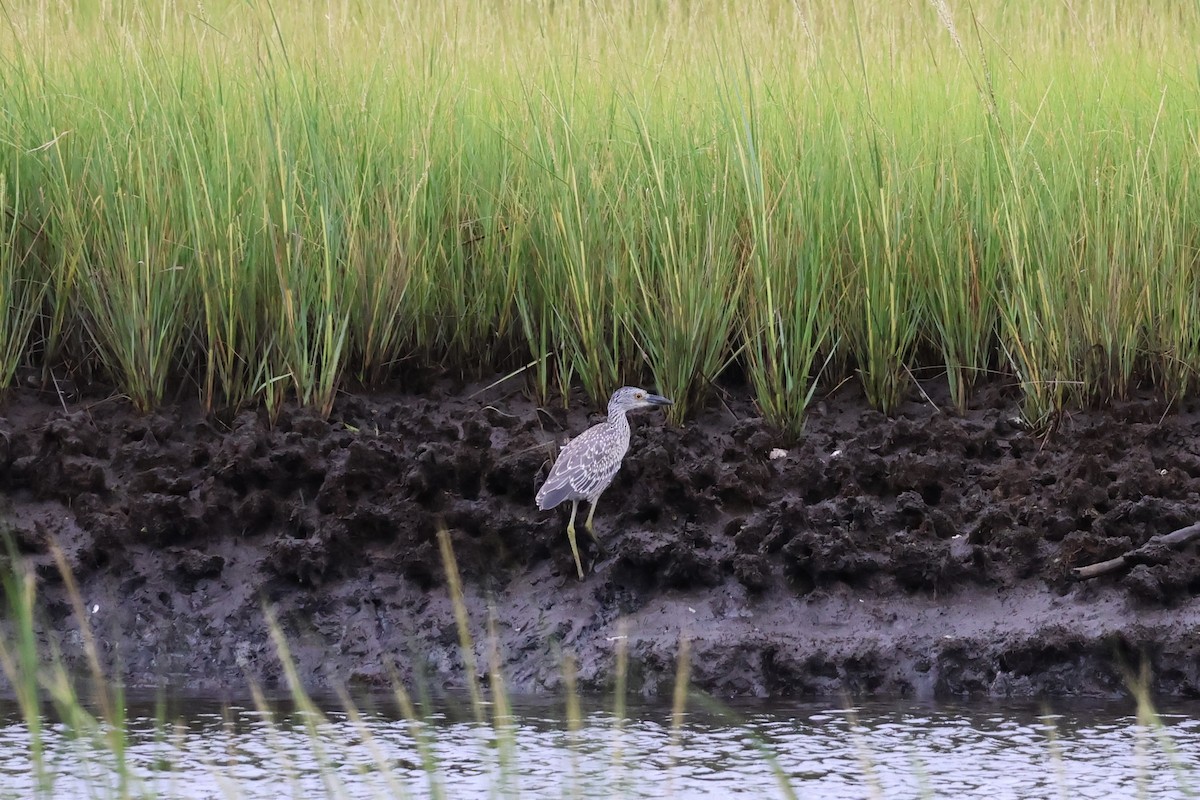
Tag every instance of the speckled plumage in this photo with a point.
(588, 464)
(590, 461)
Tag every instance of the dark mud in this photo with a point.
(924, 554)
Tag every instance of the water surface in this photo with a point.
(821, 749)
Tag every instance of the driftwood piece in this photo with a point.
(1173, 539)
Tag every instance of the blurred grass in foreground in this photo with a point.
(84, 733)
(264, 200)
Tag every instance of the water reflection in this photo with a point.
(823, 750)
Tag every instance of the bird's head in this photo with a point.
(627, 398)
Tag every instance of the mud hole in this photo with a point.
(924, 554)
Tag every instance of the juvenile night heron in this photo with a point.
(589, 462)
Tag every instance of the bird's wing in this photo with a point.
(583, 467)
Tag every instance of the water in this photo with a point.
(825, 750)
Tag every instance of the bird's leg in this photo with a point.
(590, 529)
(571, 537)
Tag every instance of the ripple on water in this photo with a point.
(824, 751)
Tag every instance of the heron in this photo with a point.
(589, 462)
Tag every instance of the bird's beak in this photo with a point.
(658, 400)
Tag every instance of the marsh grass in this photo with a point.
(964, 281)
(20, 290)
(266, 200)
(36, 676)
(682, 241)
(570, 299)
(786, 319)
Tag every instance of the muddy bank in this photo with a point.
(923, 554)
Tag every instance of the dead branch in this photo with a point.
(1173, 539)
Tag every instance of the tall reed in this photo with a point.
(262, 201)
(686, 250)
(787, 314)
(962, 287)
(571, 290)
(20, 290)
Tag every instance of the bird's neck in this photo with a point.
(616, 418)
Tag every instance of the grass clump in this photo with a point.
(20, 290)
(268, 200)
